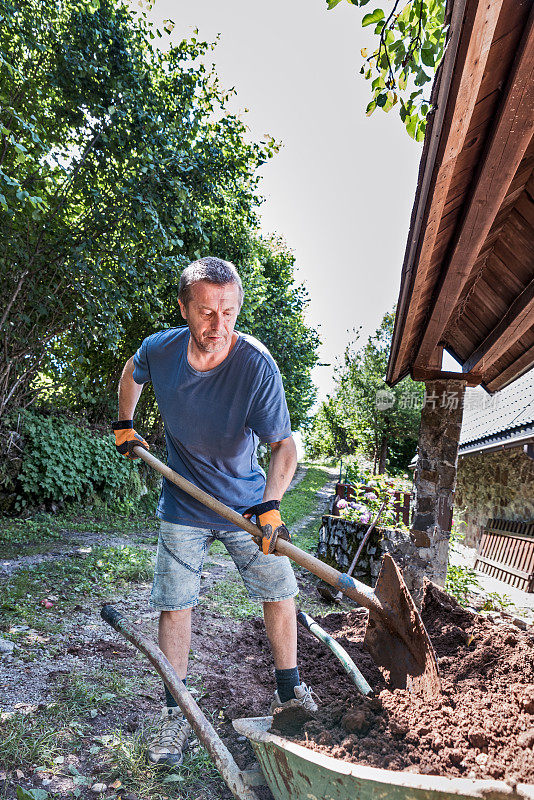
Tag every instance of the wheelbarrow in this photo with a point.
(294, 772)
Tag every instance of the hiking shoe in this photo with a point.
(170, 739)
(303, 699)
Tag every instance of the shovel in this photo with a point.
(395, 636)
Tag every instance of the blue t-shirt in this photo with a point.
(213, 422)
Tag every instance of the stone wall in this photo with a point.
(339, 540)
(493, 485)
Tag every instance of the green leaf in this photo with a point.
(332, 4)
(31, 794)
(427, 57)
(378, 83)
(411, 125)
(370, 108)
(390, 101)
(374, 16)
(421, 130)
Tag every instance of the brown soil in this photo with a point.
(486, 713)
(481, 727)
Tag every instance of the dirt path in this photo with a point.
(55, 552)
(87, 696)
(324, 496)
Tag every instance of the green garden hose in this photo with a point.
(346, 661)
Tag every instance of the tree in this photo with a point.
(364, 414)
(272, 312)
(110, 148)
(411, 42)
(279, 323)
(118, 164)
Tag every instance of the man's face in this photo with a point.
(211, 313)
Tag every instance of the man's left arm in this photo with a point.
(281, 470)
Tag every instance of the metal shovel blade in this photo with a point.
(401, 649)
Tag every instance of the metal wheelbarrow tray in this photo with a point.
(295, 773)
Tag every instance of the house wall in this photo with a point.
(499, 485)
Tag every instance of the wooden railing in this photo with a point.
(506, 552)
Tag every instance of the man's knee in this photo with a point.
(286, 606)
(174, 619)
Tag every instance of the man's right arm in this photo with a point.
(129, 393)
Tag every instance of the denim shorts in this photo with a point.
(180, 559)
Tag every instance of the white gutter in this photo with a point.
(491, 447)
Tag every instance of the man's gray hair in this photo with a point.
(212, 270)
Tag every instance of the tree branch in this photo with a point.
(14, 297)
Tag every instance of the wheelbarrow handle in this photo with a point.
(354, 589)
(203, 728)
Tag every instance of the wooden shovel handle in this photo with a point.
(203, 497)
(354, 589)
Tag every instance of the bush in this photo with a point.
(63, 461)
(461, 581)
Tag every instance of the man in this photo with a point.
(219, 392)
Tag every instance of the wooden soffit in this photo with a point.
(468, 276)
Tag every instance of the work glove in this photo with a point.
(268, 518)
(126, 438)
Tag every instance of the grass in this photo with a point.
(123, 757)
(46, 736)
(119, 517)
(217, 548)
(68, 735)
(99, 571)
(96, 516)
(58, 739)
(24, 531)
(493, 601)
(308, 537)
(230, 599)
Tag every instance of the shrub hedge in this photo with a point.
(63, 461)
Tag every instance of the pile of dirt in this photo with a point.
(481, 727)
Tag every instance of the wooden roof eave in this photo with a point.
(472, 29)
(440, 90)
(510, 138)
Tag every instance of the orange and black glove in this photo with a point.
(126, 438)
(268, 518)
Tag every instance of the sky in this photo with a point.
(341, 189)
